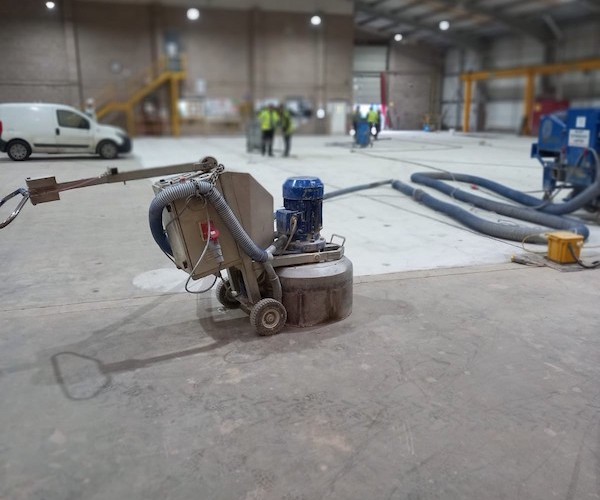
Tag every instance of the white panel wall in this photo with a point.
(507, 52)
(503, 115)
(455, 63)
(367, 89)
(504, 97)
(581, 42)
(369, 58)
(369, 61)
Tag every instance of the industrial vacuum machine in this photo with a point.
(275, 266)
(568, 147)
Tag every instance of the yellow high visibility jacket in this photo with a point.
(287, 125)
(373, 116)
(268, 119)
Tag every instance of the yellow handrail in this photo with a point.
(161, 72)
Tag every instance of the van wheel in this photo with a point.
(18, 150)
(107, 150)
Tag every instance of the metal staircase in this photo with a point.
(165, 72)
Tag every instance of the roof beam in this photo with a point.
(367, 20)
(523, 28)
(406, 6)
(453, 38)
(594, 7)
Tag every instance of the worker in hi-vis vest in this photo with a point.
(268, 119)
(287, 127)
(374, 121)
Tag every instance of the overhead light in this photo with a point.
(315, 20)
(193, 14)
(444, 25)
(398, 37)
(50, 5)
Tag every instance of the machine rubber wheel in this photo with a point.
(108, 150)
(224, 296)
(268, 317)
(18, 150)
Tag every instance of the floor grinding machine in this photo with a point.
(214, 222)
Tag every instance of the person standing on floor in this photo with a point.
(287, 127)
(268, 119)
(356, 117)
(374, 120)
(90, 108)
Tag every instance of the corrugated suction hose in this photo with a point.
(468, 219)
(206, 189)
(588, 195)
(433, 180)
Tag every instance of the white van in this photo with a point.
(27, 128)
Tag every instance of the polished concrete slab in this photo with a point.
(387, 231)
(476, 381)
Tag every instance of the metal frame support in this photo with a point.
(467, 106)
(175, 125)
(45, 189)
(528, 102)
(529, 73)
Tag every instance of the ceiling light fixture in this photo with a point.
(50, 5)
(193, 14)
(315, 20)
(398, 37)
(444, 25)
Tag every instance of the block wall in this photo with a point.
(93, 49)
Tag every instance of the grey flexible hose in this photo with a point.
(495, 229)
(432, 179)
(191, 188)
(585, 197)
(353, 189)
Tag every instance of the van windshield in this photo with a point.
(71, 120)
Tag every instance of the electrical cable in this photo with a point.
(202, 255)
(292, 232)
(593, 265)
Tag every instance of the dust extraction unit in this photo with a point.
(567, 147)
(214, 222)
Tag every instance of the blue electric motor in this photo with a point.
(568, 147)
(302, 216)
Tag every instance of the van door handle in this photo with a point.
(57, 131)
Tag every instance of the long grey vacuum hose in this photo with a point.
(353, 189)
(432, 179)
(191, 188)
(468, 219)
(588, 195)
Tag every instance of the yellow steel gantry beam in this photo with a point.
(467, 110)
(527, 72)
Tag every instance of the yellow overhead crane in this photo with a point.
(528, 72)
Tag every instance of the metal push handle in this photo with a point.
(15, 212)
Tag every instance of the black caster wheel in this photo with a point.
(268, 317)
(225, 297)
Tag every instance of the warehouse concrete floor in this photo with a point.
(463, 376)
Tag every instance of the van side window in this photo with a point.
(71, 120)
